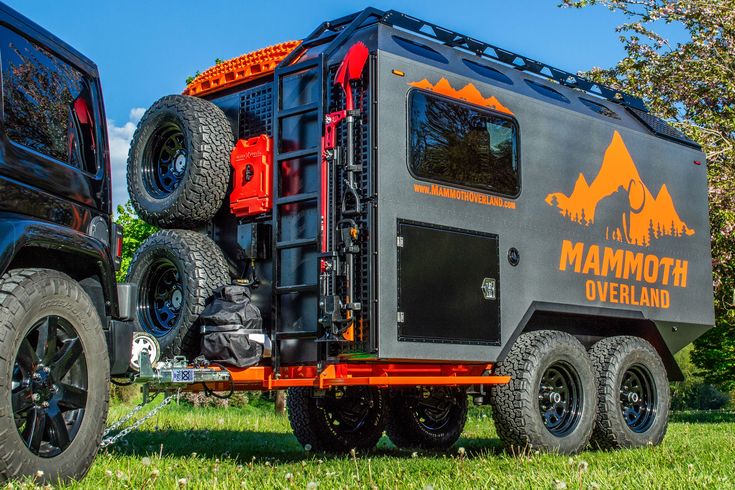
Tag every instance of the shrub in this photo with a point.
(693, 393)
(697, 396)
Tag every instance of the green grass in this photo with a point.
(249, 447)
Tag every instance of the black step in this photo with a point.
(303, 242)
(291, 155)
(308, 196)
(301, 109)
(297, 288)
(295, 335)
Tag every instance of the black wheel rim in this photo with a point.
(348, 411)
(164, 160)
(560, 398)
(49, 386)
(161, 298)
(638, 400)
(433, 408)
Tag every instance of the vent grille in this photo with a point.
(659, 127)
(256, 111)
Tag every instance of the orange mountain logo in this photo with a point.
(618, 203)
(469, 93)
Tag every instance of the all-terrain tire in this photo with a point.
(618, 363)
(27, 298)
(411, 426)
(316, 425)
(517, 405)
(184, 186)
(199, 267)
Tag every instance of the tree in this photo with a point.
(692, 85)
(135, 232)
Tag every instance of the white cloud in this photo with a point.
(137, 113)
(120, 137)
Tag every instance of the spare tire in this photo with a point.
(179, 162)
(176, 271)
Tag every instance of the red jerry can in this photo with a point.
(252, 161)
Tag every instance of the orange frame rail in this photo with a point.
(381, 375)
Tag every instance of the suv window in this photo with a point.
(49, 106)
(460, 144)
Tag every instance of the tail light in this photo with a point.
(117, 245)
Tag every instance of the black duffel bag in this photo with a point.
(230, 325)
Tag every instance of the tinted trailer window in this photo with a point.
(455, 143)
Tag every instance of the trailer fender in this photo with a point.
(590, 324)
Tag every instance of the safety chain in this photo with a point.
(108, 441)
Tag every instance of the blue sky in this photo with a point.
(146, 49)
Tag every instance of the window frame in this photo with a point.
(96, 99)
(501, 115)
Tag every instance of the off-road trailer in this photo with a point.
(417, 215)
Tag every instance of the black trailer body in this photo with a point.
(602, 226)
(583, 213)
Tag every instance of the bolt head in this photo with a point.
(36, 397)
(44, 404)
(46, 369)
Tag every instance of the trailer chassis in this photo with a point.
(179, 373)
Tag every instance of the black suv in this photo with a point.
(62, 332)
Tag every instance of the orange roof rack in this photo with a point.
(246, 67)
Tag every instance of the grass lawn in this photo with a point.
(249, 447)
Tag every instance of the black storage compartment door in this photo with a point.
(448, 285)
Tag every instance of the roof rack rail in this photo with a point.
(517, 61)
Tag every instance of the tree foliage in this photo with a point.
(135, 232)
(692, 85)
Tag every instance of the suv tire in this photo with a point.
(550, 401)
(179, 162)
(632, 392)
(53, 356)
(176, 271)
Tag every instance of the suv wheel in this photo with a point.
(430, 417)
(176, 272)
(53, 356)
(633, 394)
(179, 162)
(550, 401)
